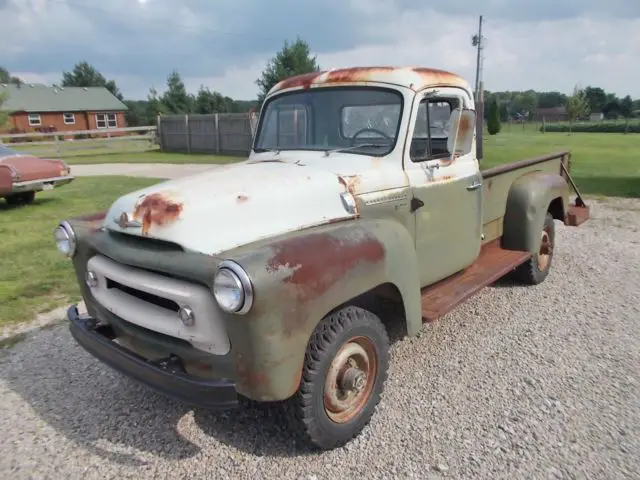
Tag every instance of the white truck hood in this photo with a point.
(232, 205)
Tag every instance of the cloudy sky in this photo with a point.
(224, 44)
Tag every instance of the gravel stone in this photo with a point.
(519, 382)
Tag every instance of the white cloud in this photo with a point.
(225, 45)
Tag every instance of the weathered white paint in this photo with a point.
(275, 193)
(236, 204)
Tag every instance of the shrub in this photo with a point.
(593, 127)
(493, 123)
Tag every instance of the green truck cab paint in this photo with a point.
(267, 279)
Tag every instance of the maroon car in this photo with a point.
(23, 174)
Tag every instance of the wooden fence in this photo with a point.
(84, 142)
(217, 133)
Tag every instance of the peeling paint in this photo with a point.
(322, 259)
(413, 78)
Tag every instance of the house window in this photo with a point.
(34, 119)
(106, 120)
(69, 118)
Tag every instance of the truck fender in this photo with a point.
(530, 197)
(297, 280)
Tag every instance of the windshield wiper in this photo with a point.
(354, 147)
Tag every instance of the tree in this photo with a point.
(154, 108)
(6, 77)
(577, 106)
(85, 75)
(293, 59)
(176, 100)
(209, 101)
(626, 109)
(4, 116)
(493, 124)
(596, 97)
(504, 112)
(612, 106)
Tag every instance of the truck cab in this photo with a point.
(261, 280)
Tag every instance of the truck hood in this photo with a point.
(232, 205)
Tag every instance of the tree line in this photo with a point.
(295, 58)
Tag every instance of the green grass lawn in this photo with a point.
(34, 276)
(152, 156)
(602, 163)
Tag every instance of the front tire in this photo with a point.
(342, 379)
(535, 270)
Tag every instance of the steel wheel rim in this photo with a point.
(546, 249)
(350, 379)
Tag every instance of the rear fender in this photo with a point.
(530, 198)
(298, 280)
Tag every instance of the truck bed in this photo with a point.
(494, 261)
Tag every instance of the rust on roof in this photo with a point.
(415, 78)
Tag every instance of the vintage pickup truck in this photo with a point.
(259, 280)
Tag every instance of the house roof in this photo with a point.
(44, 98)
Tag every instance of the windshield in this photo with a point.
(362, 120)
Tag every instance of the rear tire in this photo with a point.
(535, 270)
(342, 379)
(21, 198)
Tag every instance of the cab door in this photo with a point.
(445, 182)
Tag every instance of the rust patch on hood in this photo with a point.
(156, 209)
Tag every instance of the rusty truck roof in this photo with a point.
(414, 78)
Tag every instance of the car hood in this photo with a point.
(232, 205)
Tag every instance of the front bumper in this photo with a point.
(166, 376)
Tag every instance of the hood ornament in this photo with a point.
(124, 222)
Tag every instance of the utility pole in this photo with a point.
(478, 42)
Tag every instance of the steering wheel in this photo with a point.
(368, 129)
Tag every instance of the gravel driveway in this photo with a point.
(535, 382)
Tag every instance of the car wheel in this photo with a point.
(536, 269)
(343, 377)
(21, 198)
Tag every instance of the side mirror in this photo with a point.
(461, 129)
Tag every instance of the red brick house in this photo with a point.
(43, 108)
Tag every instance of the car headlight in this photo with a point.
(65, 239)
(232, 288)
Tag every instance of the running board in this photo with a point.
(493, 263)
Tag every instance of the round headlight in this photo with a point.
(232, 288)
(65, 239)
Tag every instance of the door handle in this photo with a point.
(474, 186)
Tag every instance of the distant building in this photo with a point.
(595, 116)
(43, 108)
(552, 114)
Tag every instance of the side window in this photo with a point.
(429, 138)
(290, 129)
(355, 118)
